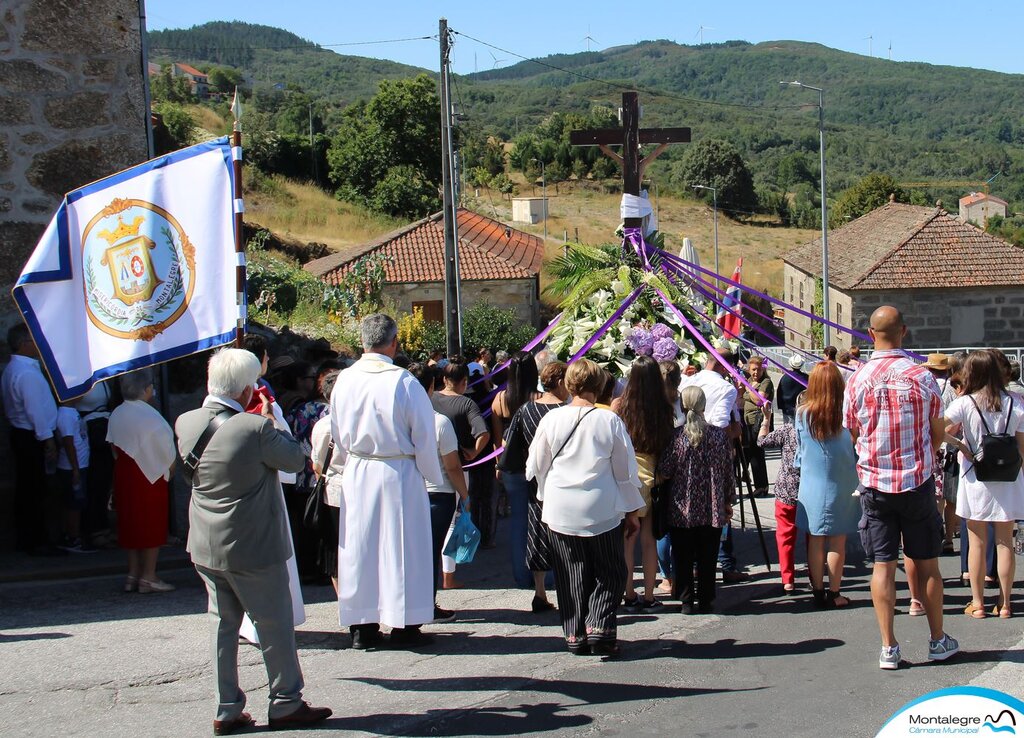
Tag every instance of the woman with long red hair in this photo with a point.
(826, 507)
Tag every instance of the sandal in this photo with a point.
(821, 600)
(916, 609)
(976, 611)
(838, 600)
(578, 648)
(1002, 612)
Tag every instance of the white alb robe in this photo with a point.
(247, 629)
(382, 423)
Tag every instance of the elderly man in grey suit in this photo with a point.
(239, 539)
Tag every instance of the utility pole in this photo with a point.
(453, 299)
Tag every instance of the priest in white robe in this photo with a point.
(383, 428)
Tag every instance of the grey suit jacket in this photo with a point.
(237, 516)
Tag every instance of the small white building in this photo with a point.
(978, 207)
(530, 210)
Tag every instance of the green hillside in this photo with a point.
(910, 120)
(915, 121)
(271, 56)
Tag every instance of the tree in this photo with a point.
(396, 134)
(178, 122)
(871, 192)
(717, 164)
(225, 79)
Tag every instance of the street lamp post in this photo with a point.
(824, 206)
(714, 200)
(544, 196)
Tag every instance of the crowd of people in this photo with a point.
(594, 471)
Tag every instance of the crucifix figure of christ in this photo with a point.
(631, 136)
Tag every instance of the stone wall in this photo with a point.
(72, 110)
(954, 317)
(936, 318)
(518, 294)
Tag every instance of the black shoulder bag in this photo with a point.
(314, 516)
(998, 458)
(191, 461)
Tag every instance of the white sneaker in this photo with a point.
(889, 658)
(943, 648)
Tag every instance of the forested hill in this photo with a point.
(272, 56)
(912, 120)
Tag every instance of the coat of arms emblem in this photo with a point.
(139, 269)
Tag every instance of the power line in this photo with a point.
(629, 88)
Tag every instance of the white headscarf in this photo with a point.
(141, 432)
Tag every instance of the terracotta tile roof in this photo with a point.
(976, 197)
(190, 70)
(907, 246)
(488, 250)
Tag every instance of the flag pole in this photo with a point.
(236, 170)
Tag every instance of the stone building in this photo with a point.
(497, 264)
(72, 110)
(978, 207)
(956, 285)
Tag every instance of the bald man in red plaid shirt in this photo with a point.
(893, 409)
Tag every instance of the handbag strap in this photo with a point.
(191, 461)
(562, 447)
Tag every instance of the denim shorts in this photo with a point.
(911, 517)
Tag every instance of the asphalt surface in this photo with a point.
(80, 658)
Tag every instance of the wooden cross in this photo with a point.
(630, 137)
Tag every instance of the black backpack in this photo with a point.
(998, 458)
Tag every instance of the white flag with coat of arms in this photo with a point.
(135, 269)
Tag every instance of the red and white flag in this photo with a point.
(730, 322)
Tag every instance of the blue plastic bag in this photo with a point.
(464, 540)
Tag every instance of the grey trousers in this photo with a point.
(263, 593)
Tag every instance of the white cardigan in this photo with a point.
(591, 484)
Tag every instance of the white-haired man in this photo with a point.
(239, 538)
(383, 428)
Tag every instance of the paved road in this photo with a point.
(81, 658)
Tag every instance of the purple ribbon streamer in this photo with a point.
(711, 285)
(700, 337)
(534, 343)
(636, 239)
(817, 318)
(808, 355)
(608, 324)
(493, 455)
(750, 344)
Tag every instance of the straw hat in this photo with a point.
(938, 362)
(796, 362)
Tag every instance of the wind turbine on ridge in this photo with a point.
(589, 39)
(497, 61)
(700, 32)
(869, 39)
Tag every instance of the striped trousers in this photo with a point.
(590, 575)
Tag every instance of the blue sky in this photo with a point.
(938, 32)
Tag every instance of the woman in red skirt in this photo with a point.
(144, 453)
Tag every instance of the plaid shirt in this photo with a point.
(889, 403)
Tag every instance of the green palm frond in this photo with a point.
(579, 261)
(586, 286)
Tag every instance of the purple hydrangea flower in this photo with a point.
(665, 349)
(660, 330)
(641, 341)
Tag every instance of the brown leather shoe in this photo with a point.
(302, 718)
(227, 727)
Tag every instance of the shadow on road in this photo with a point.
(500, 719)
